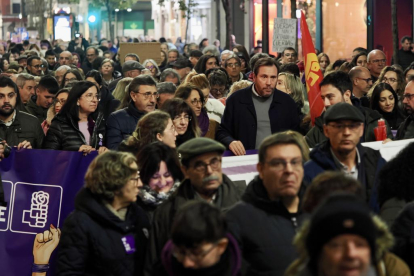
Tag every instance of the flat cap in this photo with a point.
(197, 146)
(131, 65)
(343, 111)
(21, 57)
(181, 63)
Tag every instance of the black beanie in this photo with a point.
(340, 214)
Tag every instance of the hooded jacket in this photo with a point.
(228, 194)
(37, 111)
(264, 230)
(92, 239)
(64, 133)
(228, 265)
(387, 264)
(368, 170)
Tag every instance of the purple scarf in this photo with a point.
(203, 122)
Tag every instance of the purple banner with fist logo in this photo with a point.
(39, 188)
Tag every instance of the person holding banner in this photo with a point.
(107, 233)
(73, 128)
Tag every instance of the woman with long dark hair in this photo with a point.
(74, 128)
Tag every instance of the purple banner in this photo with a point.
(39, 188)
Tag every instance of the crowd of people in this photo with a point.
(155, 199)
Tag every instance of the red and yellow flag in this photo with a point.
(313, 73)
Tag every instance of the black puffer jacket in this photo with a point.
(264, 230)
(121, 124)
(92, 239)
(24, 127)
(64, 134)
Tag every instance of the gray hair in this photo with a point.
(169, 73)
(155, 64)
(22, 78)
(62, 67)
(225, 52)
(212, 49)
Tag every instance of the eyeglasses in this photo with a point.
(146, 95)
(195, 102)
(202, 167)
(135, 180)
(218, 91)
(91, 96)
(367, 80)
(180, 254)
(407, 96)
(62, 101)
(341, 127)
(10, 95)
(281, 164)
(379, 60)
(150, 67)
(389, 80)
(178, 119)
(233, 65)
(37, 66)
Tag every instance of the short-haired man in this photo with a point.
(342, 239)
(173, 55)
(195, 56)
(60, 72)
(201, 165)
(45, 95)
(26, 84)
(405, 55)
(199, 241)
(336, 88)
(233, 67)
(182, 65)
(50, 56)
(91, 54)
(265, 222)
(131, 56)
(342, 151)
(121, 123)
(17, 128)
(22, 61)
(170, 75)
(130, 69)
(289, 54)
(166, 91)
(376, 61)
(361, 83)
(34, 64)
(406, 129)
(255, 112)
(65, 58)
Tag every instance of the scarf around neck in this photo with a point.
(153, 198)
(203, 122)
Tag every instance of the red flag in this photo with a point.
(313, 71)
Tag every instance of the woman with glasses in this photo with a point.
(74, 128)
(194, 97)
(394, 77)
(70, 76)
(153, 126)
(107, 232)
(60, 99)
(152, 66)
(385, 101)
(160, 173)
(183, 118)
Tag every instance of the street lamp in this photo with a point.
(92, 18)
(129, 10)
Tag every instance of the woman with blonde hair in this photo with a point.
(324, 61)
(214, 107)
(121, 92)
(290, 84)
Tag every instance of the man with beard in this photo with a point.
(255, 112)
(406, 129)
(336, 88)
(342, 151)
(17, 129)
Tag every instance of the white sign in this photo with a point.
(284, 34)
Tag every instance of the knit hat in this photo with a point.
(340, 214)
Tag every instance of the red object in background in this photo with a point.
(380, 131)
(313, 73)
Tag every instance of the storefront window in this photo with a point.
(344, 27)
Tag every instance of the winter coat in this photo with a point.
(403, 231)
(92, 241)
(239, 120)
(37, 111)
(108, 104)
(387, 263)
(228, 265)
(215, 110)
(227, 195)
(371, 163)
(121, 124)
(315, 135)
(24, 127)
(402, 130)
(391, 208)
(64, 133)
(264, 230)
